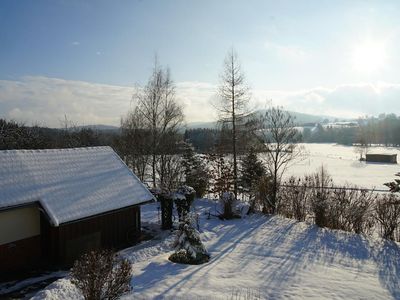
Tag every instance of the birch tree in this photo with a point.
(279, 141)
(157, 117)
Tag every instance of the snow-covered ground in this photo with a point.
(268, 257)
(343, 165)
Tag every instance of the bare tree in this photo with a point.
(363, 141)
(101, 275)
(279, 142)
(234, 96)
(134, 144)
(157, 113)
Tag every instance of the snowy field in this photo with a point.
(267, 257)
(343, 165)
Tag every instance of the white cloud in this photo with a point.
(75, 43)
(46, 100)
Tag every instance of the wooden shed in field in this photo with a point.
(382, 158)
(57, 204)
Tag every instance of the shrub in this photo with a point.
(183, 199)
(101, 275)
(350, 209)
(387, 213)
(321, 181)
(228, 201)
(264, 194)
(293, 198)
(345, 208)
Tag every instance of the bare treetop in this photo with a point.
(233, 88)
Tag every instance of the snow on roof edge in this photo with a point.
(55, 149)
(134, 175)
(49, 213)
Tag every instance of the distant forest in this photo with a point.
(14, 135)
(383, 130)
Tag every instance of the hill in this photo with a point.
(300, 119)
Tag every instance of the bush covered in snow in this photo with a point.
(183, 199)
(101, 275)
(228, 202)
(189, 248)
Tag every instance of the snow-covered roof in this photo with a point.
(70, 184)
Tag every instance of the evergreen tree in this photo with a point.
(196, 174)
(221, 175)
(189, 248)
(252, 170)
(394, 185)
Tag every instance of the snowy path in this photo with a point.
(275, 258)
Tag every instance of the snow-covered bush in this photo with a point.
(183, 199)
(228, 202)
(188, 245)
(165, 197)
(101, 275)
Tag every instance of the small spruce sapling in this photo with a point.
(394, 185)
(188, 245)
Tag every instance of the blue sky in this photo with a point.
(304, 55)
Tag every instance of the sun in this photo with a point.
(369, 56)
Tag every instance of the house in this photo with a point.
(57, 204)
(382, 158)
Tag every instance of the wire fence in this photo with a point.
(337, 188)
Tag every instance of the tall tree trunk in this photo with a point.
(153, 165)
(235, 188)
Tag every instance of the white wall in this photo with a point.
(18, 224)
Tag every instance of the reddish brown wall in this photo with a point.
(65, 243)
(20, 255)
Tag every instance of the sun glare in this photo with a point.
(369, 56)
